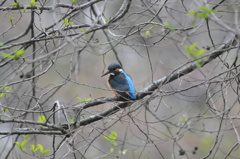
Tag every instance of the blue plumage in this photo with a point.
(120, 82)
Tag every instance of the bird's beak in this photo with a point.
(104, 74)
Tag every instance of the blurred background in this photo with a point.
(67, 46)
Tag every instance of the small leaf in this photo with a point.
(72, 119)
(15, 4)
(23, 149)
(42, 119)
(11, 19)
(18, 53)
(18, 144)
(80, 99)
(66, 21)
(7, 89)
(114, 143)
(199, 52)
(25, 8)
(5, 109)
(1, 44)
(33, 3)
(2, 95)
(82, 30)
(8, 56)
(74, 1)
(113, 135)
(87, 100)
(202, 15)
(46, 151)
(193, 46)
(106, 20)
(105, 137)
(192, 12)
(32, 148)
(24, 143)
(111, 150)
(40, 148)
(206, 10)
(166, 24)
(148, 33)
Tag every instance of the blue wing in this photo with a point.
(131, 90)
(123, 84)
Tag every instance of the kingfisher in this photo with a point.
(120, 82)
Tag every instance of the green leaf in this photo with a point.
(1, 44)
(80, 99)
(33, 3)
(106, 20)
(25, 8)
(18, 144)
(2, 95)
(24, 143)
(206, 9)
(11, 19)
(148, 33)
(202, 12)
(7, 89)
(199, 52)
(32, 148)
(74, 1)
(193, 46)
(105, 137)
(72, 119)
(23, 149)
(82, 30)
(8, 56)
(40, 147)
(87, 100)
(84, 101)
(42, 118)
(166, 24)
(113, 135)
(18, 53)
(67, 23)
(5, 109)
(15, 4)
(114, 143)
(46, 151)
(111, 150)
(192, 12)
(202, 15)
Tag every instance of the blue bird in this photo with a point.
(120, 82)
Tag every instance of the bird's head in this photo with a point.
(113, 69)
